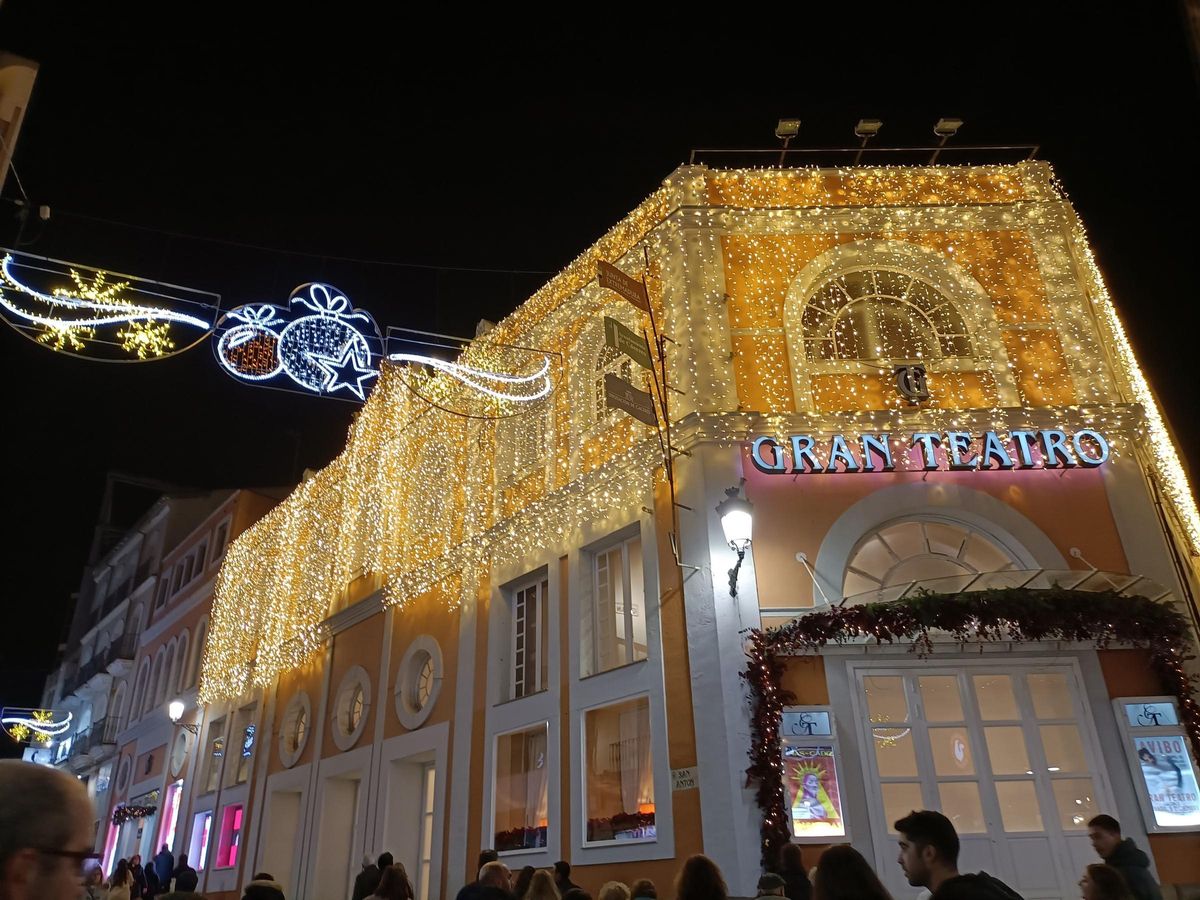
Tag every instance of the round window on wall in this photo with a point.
(351, 707)
(418, 681)
(123, 775)
(294, 729)
(179, 753)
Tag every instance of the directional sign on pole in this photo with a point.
(626, 340)
(620, 394)
(630, 288)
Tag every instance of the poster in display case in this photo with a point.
(1159, 754)
(812, 775)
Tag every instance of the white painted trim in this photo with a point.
(355, 678)
(299, 701)
(406, 674)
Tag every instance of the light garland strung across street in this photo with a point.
(95, 316)
(34, 725)
(430, 499)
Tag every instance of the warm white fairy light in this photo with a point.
(433, 501)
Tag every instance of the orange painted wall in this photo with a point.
(307, 678)
(803, 507)
(478, 728)
(157, 759)
(1127, 673)
(425, 615)
(359, 645)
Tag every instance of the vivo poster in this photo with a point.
(814, 795)
(1170, 780)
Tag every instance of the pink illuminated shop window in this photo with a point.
(229, 837)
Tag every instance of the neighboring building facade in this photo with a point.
(161, 768)
(470, 632)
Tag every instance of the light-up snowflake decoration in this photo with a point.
(34, 725)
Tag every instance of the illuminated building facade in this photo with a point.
(474, 631)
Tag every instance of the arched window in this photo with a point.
(882, 314)
(193, 672)
(921, 549)
(179, 680)
(156, 687)
(139, 690)
(170, 673)
(116, 706)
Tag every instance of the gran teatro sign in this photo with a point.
(1049, 448)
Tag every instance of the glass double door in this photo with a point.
(1007, 752)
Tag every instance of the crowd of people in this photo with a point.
(46, 854)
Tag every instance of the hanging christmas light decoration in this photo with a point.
(40, 726)
(75, 309)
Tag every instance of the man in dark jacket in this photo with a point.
(368, 879)
(164, 865)
(929, 858)
(1124, 856)
(474, 890)
(263, 887)
(562, 876)
(185, 876)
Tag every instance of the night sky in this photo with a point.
(350, 148)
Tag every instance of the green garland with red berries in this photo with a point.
(1009, 615)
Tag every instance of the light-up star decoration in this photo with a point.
(34, 726)
(87, 312)
(319, 342)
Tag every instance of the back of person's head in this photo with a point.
(542, 886)
(576, 893)
(263, 876)
(1107, 822)
(791, 859)
(385, 860)
(643, 887)
(927, 828)
(496, 874)
(121, 871)
(368, 861)
(182, 860)
(40, 808)
(562, 870)
(700, 879)
(523, 880)
(770, 883)
(1103, 882)
(613, 890)
(394, 883)
(843, 874)
(485, 857)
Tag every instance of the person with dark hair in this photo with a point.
(394, 883)
(643, 889)
(121, 883)
(929, 858)
(164, 865)
(263, 887)
(795, 876)
(576, 893)
(473, 890)
(770, 886)
(843, 874)
(139, 877)
(562, 877)
(1101, 882)
(700, 879)
(521, 887)
(1124, 856)
(185, 876)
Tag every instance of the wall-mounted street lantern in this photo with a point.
(737, 521)
(175, 713)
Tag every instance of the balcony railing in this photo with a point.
(125, 648)
(99, 734)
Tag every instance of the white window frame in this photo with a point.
(539, 584)
(622, 541)
(425, 831)
(1128, 733)
(551, 771)
(656, 765)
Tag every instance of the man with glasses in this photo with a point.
(45, 833)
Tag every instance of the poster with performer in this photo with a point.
(1169, 778)
(813, 792)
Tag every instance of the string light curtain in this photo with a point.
(421, 496)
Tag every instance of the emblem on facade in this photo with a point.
(911, 384)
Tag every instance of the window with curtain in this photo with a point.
(520, 789)
(614, 634)
(619, 774)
